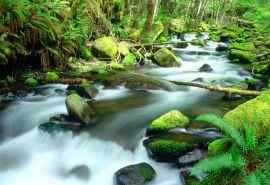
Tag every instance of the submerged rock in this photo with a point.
(206, 68)
(55, 127)
(231, 97)
(79, 109)
(140, 82)
(255, 111)
(168, 121)
(82, 172)
(138, 174)
(166, 58)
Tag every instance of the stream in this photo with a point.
(29, 156)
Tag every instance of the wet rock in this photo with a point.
(206, 68)
(170, 146)
(138, 174)
(80, 110)
(222, 47)
(82, 172)
(83, 90)
(231, 97)
(166, 58)
(181, 45)
(190, 158)
(166, 122)
(55, 127)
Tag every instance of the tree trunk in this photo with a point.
(151, 6)
(126, 7)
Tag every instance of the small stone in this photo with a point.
(206, 68)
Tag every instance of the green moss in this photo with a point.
(51, 76)
(242, 56)
(247, 46)
(31, 82)
(147, 172)
(167, 147)
(129, 60)
(166, 58)
(105, 47)
(168, 121)
(256, 111)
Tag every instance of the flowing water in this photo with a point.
(29, 156)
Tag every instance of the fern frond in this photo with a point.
(213, 164)
(252, 179)
(227, 128)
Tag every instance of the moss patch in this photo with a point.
(147, 172)
(51, 76)
(256, 111)
(166, 58)
(170, 120)
(31, 82)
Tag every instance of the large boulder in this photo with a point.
(170, 120)
(177, 25)
(79, 109)
(105, 47)
(138, 174)
(166, 58)
(255, 111)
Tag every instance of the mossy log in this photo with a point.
(160, 43)
(219, 88)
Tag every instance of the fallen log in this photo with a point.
(218, 88)
(161, 43)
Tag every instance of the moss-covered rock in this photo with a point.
(31, 82)
(242, 56)
(79, 109)
(166, 58)
(135, 34)
(199, 42)
(255, 111)
(242, 52)
(170, 120)
(85, 90)
(129, 60)
(177, 25)
(163, 150)
(51, 77)
(138, 174)
(123, 48)
(105, 47)
(169, 146)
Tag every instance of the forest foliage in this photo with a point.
(48, 32)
